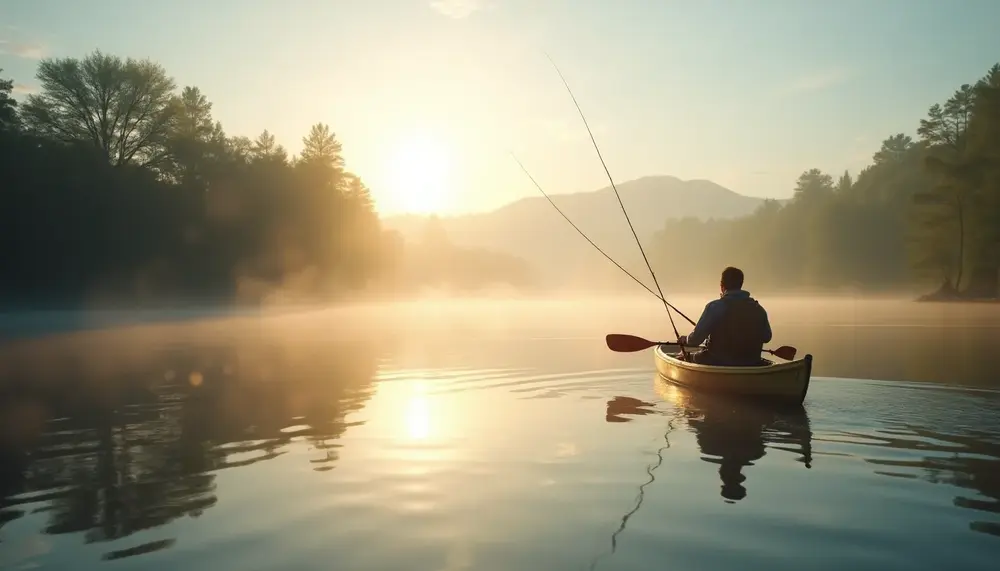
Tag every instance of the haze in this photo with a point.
(317, 152)
(744, 95)
(274, 292)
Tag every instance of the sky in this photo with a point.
(431, 97)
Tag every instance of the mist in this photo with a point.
(274, 294)
(188, 216)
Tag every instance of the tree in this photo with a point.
(264, 148)
(194, 116)
(123, 108)
(121, 190)
(977, 170)
(893, 149)
(8, 106)
(321, 147)
(813, 183)
(196, 143)
(845, 183)
(241, 148)
(945, 133)
(358, 194)
(946, 126)
(929, 207)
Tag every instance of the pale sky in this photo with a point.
(744, 93)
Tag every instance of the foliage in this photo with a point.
(8, 106)
(927, 209)
(124, 108)
(117, 189)
(962, 209)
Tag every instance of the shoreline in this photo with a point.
(948, 294)
(956, 299)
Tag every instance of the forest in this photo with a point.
(119, 189)
(925, 213)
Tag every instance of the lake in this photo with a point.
(498, 436)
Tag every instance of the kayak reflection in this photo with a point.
(620, 408)
(736, 433)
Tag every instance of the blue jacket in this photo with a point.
(712, 315)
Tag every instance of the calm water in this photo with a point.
(498, 436)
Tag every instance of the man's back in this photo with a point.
(736, 328)
(741, 331)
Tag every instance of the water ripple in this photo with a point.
(342, 457)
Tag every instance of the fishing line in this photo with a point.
(610, 259)
(620, 203)
(641, 495)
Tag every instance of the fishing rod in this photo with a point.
(621, 204)
(610, 259)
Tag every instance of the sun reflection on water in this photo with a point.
(418, 418)
(418, 412)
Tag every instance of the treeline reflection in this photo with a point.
(106, 439)
(969, 461)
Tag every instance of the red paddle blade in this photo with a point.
(622, 343)
(785, 352)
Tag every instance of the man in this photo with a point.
(735, 326)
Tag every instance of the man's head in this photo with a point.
(732, 279)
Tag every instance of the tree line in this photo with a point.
(117, 187)
(925, 211)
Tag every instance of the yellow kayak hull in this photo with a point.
(780, 380)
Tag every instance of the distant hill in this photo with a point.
(534, 231)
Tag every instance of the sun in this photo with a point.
(418, 175)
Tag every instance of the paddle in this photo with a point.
(622, 343)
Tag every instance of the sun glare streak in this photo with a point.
(419, 174)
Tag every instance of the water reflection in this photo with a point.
(732, 433)
(140, 447)
(969, 461)
(105, 437)
(736, 433)
(619, 409)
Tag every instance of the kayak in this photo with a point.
(777, 380)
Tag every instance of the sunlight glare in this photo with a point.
(418, 416)
(418, 175)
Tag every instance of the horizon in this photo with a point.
(538, 196)
(435, 93)
(341, 283)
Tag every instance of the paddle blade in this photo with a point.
(621, 343)
(785, 352)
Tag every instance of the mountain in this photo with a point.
(532, 229)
